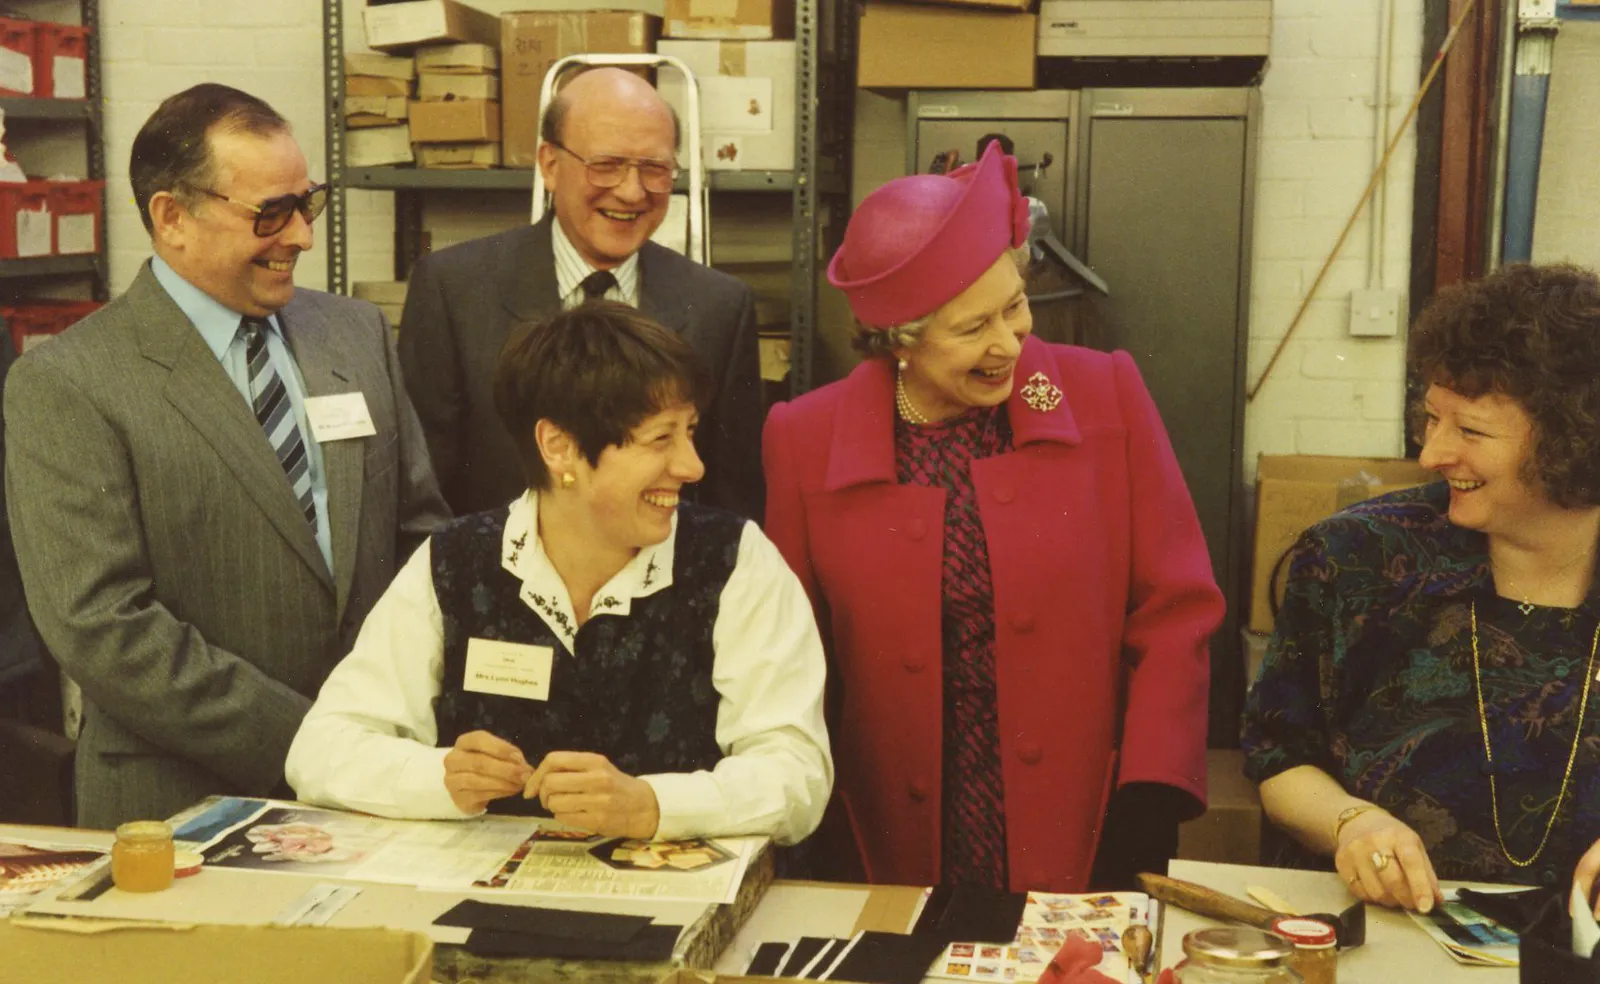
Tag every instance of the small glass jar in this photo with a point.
(1235, 955)
(141, 859)
(1316, 951)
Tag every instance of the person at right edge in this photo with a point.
(1423, 708)
(1006, 560)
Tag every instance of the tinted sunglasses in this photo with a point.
(274, 214)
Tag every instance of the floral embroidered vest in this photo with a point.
(639, 688)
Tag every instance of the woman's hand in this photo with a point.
(1584, 876)
(1383, 861)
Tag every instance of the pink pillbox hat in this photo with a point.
(921, 240)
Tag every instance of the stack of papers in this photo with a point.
(1469, 936)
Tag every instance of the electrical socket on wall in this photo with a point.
(1375, 313)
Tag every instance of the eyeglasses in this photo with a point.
(608, 172)
(274, 214)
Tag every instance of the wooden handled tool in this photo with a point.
(1205, 901)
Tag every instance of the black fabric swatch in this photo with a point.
(830, 953)
(1544, 950)
(889, 958)
(765, 962)
(601, 927)
(652, 944)
(804, 949)
(970, 914)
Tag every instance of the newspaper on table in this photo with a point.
(514, 855)
(1048, 921)
(1469, 936)
(28, 867)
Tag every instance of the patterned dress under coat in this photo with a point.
(940, 455)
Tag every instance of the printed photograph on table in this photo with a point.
(643, 855)
(1049, 920)
(26, 869)
(1469, 936)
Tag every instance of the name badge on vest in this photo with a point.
(508, 669)
(339, 417)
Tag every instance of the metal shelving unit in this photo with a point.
(28, 112)
(819, 183)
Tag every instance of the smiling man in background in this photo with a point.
(608, 147)
(212, 479)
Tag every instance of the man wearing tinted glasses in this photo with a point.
(608, 147)
(213, 478)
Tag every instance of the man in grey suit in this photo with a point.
(607, 149)
(213, 478)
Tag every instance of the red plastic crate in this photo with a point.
(60, 56)
(76, 212)
(19, 46)
(26, 228)
(33, 321)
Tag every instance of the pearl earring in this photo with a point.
(904, 365)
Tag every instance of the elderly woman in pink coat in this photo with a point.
(1005, 561)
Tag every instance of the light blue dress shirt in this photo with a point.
(219, 327)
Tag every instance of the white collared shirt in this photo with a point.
(369, 741)
(572, 268)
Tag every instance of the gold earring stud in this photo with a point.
(568, 480)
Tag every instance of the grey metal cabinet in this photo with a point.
(1154, 188)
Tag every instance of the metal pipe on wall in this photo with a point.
(1494, 241)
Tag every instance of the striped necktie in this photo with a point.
(270, 400)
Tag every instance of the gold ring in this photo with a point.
(1380, 860)
(1352, 880)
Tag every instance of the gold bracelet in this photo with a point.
(1346, 815)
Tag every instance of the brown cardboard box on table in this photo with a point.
(455, 121)
(729, 20)
(1229, 832)
(1294, 492)
(76, 951)
(533, 41)
(402, 26)
(907, 46)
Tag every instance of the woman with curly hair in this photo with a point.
(1423, 710)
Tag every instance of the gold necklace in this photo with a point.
(902, 401)
(1488, 752)
(1525, 606)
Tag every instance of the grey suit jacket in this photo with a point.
(461, 305)
(165, 559)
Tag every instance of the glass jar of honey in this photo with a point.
(141, 859)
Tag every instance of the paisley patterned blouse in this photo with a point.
(1369, 676)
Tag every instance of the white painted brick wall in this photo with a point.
(1329, 393)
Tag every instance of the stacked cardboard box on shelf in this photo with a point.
(746, 78)
(376, 88)
(455, 120)
(532, 41)
(947, 44)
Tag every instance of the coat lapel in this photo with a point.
(200, 390)
(322, 367)
(660, 295)
(1037, 380)
(528, 270)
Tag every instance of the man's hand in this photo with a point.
(482, 768)
(1383, 861)
(584, 790)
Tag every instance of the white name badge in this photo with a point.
(509, 669)
(339, 417)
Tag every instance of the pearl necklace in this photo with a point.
(902, 402)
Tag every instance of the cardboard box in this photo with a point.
(456, 121)
(372, 85)
(1294, 492)
(1229, 832)
(534, 41)
(378, 65)
(1022, 5)
(914, 47)
(73, 951)
(1155, 28)
(729, 20)
(403, 26)
(378, 146)
(430, 86)
(746, 101)
(459, 156)
(458, 59)
(374, 110)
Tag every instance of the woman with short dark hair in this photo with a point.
(1423, 710)
(643, 667)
